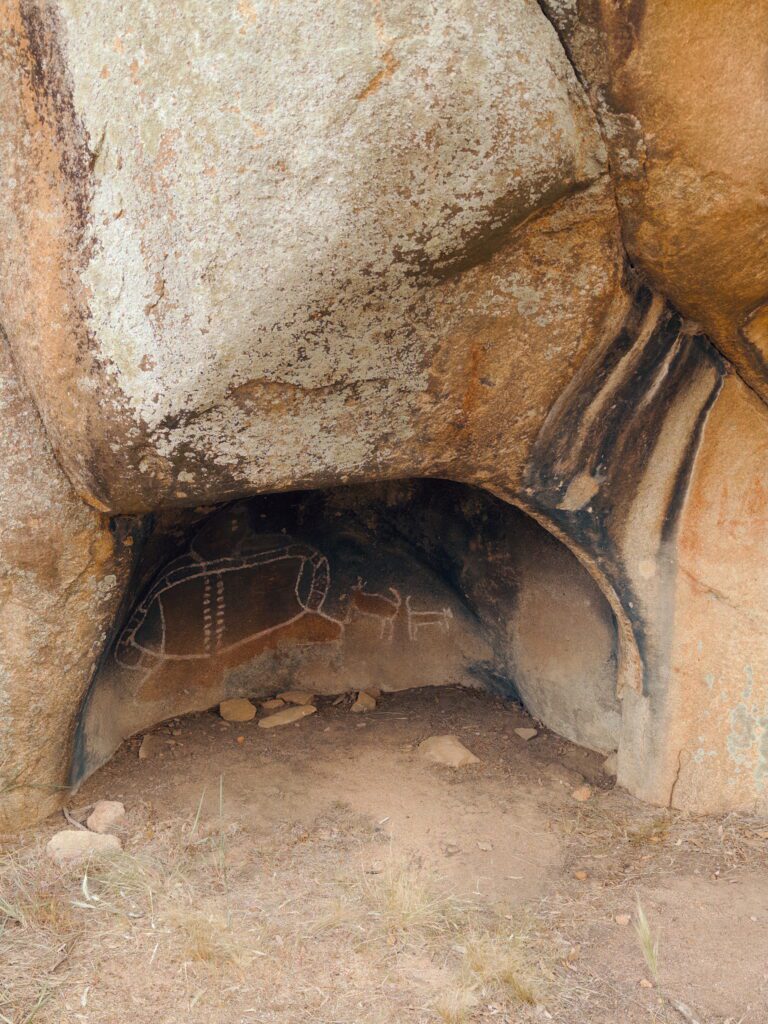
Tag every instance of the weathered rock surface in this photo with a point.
(71, 845)
(317, 306)
(687, 127)
(263, 248)
(62, 571)
(447, 750)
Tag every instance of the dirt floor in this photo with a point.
(325, 872)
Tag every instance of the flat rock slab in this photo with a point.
(526, 734)
(105, 815)
(239, 709)
(288, 715)
(447, 750)
(71, 845)
(151, 746)
(296, 697)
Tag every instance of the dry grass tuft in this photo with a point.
(456, 1005)
(207, 938)
(502, 965)
(654, 831)
(649, 944)
(408, 904)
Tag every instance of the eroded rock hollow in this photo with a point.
(330, 335)
(423, 583)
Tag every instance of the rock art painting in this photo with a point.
(240, 611)
(208, 608)
(204, 609)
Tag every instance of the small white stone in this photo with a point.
(448, 750)
(71, 845)
(105, 815)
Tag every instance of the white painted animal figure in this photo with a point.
(375, 606)
(440, 617)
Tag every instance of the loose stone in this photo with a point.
(286, 716)
(105, 815)
(70, 846)
(447, 750)
(364, 702)
(239, 709)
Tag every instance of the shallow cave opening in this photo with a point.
(383, 587)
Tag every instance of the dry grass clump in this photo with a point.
(208, 938)
(196, 921)
(456, 1005)
(483, 962)
(405, 903)
(502, 964)
(649, 944)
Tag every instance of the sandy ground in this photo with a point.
(324, 872)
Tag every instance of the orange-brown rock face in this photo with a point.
(62, 574)
(682, 93)
(718, 701)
